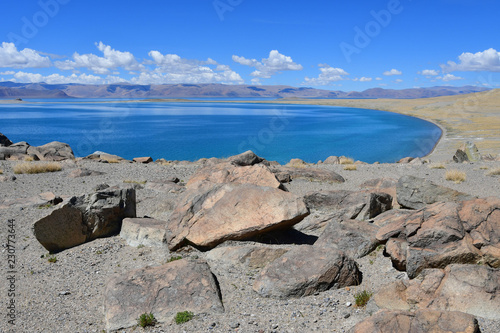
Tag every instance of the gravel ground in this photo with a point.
(67, 296)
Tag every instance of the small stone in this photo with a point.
(346, 315)
(63, 293)
(234, 325)
(348, 304)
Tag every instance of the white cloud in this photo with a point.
(429, 72)
(365, 79)
(398, 80)
(61, 79)
(8, 73)
(488, 60)
(378, 79)
(449, 77)
(328, 75)
(101, 65)
(171, 68)
(264, 69)
(392, 72)
(26, 58)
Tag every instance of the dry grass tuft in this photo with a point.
(1, 171)
(32, 168)
(494, 172)
(29, 159)
(436, 166)
(112, 160)
(456, 176)
(346, 160)
(350, 167)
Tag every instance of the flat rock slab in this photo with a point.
(355, 238)
(257, 174)
(415, 193)
(417, 322)
(306, 270)
(81, 172)
(181, 285)
(144, 160)
(310, 174)
(208, 216)
(143, 231)
(251, 256)
(473, 289)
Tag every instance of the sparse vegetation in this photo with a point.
(351, 167)
(361, 298)
(146, 319)
(455, 176)
(174, 258)
(345, 160)
(183, 317)
(32, 168)
(52, 259)
(436, 166)
(140, 246)
(494, 172)
(1, 171)
(29, 159)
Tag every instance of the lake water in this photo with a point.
(189, 131)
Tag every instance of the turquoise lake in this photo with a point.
(189, 131)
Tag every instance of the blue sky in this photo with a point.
(335, 45)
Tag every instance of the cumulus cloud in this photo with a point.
(378, 79)
(392, 72)
(112, 59)
(26, 58)
(429, 72)
(488, 60)
(171, 68)
(398, 80)
(8, 73)
(61, 79)
(365, 79)
(449, 77)
(328, 75)
(267, 67)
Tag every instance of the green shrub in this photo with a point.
(361, 298)
(146, 319)
(174, 258)
(183, 317)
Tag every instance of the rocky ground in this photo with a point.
(68, 295)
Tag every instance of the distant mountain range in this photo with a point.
(125, 90)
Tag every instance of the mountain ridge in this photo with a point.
(9, 89)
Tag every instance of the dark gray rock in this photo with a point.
(4, 141)
(415, 193)
(245, 159)
(305, 270)
(460, 156)
(52, 151)
(85, 218)
(355, 238)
